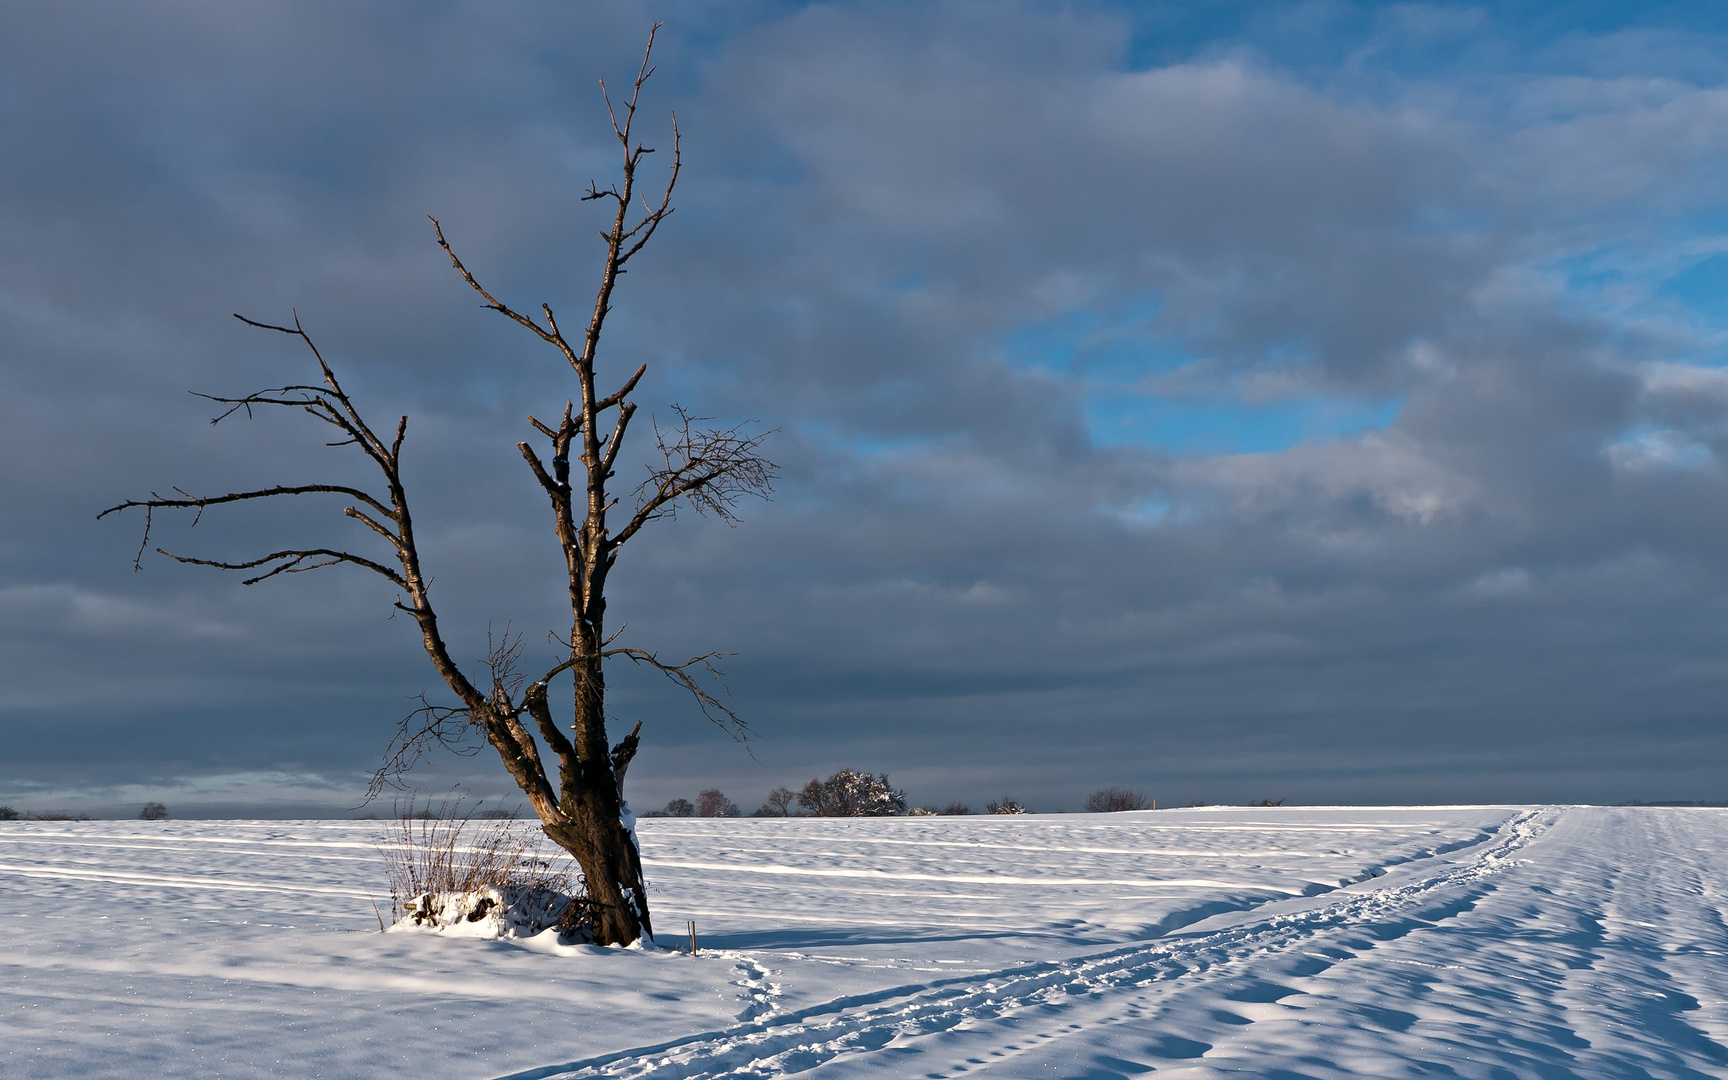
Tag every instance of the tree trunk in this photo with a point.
(593, 832)
(588, 821)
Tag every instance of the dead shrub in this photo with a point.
(444, 850)
(1114, 800)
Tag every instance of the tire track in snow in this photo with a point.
(800, 1041)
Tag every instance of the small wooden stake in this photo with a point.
(692, 937)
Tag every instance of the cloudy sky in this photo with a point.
(1311, 401)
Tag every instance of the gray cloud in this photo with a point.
(1511, 591)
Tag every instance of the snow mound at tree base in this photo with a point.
(510, 911)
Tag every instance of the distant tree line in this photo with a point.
(153, 811)
(847, 793)
(852, 793)
(9, 813)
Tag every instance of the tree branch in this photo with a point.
(552, 486)
(349, 419)
(712, 468)
(623, 754)
(534, 702)
(395, 541)
(622, 392)
(653, 217)
(292, 564)
(680, 674)
(451, 728)
(491, 301)
(156, 501)
(616, 440)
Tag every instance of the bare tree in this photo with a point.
(778, 804)
(581, 807)
(711, 802)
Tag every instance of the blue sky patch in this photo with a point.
(1116, 355)
(1703, 286)
(1207, 428)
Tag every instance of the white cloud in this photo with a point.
(1389, 469)
(1648, 451)
(64, 607)
(1509, 583)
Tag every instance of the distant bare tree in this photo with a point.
(1113, 800)
(778, 804)
(153, 811)
(711, 803)
(956, 809)
(679, 808)
(579, 799)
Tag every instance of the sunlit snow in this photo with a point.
(1279, 942)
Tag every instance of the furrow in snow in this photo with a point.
(158, 881)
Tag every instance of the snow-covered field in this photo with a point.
(1455, 941)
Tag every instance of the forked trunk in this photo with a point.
(593, 832)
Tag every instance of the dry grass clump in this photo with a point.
(445, 850)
